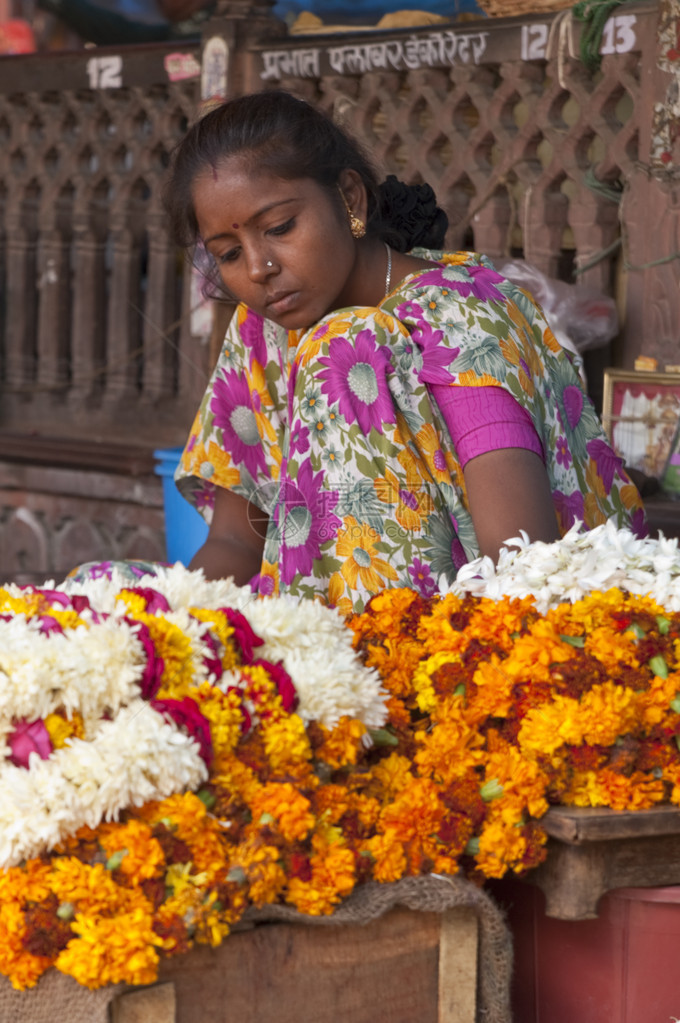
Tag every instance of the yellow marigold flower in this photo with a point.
(221, 627)
(607, 711)
(286, 744)
(435, 630)
(494, 690)
(281, 805)
(19, 885)
(609, 788)
(174, 646)
(143, 854)
(60, 729)
(232, 775)
(546, 728)
(331, 802)
(391, 775)
(415, 813)
(223, 711)
(112, 951)
(333, 878)
(612, 649)
(654, 703)
(389, 859)
(92, 890)
(447, 753)
(503, 846)
(426, 696)
(261, 867)
(523, 783)
(342, 744)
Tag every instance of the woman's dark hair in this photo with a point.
(292, 139)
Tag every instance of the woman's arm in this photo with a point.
(508, 490)
(235, 540)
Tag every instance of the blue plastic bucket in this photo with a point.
(185, 528)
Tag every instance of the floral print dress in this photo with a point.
(334, 434)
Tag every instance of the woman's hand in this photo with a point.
(508, 490)
(235, 541)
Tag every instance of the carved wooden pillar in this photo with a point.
(123, 338)
(54, 289)
(160, 334)
(88, 342)
(20, 353)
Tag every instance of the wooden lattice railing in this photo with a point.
(93, 327)
(531, 155)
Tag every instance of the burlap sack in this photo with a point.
(54, 999)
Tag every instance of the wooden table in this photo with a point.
(592, 851)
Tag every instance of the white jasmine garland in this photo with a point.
(312, 641)
(134, 758)
(91, 669)
(580, 563)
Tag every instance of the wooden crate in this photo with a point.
(405, 966)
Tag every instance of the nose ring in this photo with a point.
(269, 263)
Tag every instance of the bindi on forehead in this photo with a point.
(235, 226)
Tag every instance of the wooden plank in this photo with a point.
(576, 824)
(458, 966)
(150, 1005)
(393, 968)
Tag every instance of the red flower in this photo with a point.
(284, 683)
(155, 665)
(27, 738)
(243, 634)
(155, 601)
(48, 624)
(213, 662)
(186, 715)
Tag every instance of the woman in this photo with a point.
(380, 413)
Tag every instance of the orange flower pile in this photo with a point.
(495, 712)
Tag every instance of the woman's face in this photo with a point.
(282, 247)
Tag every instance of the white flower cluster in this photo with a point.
(92, 669)
(578, 564)
(312, 641)
(136, 757)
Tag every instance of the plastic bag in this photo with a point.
(583, 316)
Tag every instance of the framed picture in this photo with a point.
(641, 416)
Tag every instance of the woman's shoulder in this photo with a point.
(462, 278)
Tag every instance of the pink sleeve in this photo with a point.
(484, 419)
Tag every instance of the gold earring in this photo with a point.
(356, 224)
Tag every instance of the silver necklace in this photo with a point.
(388, 275)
